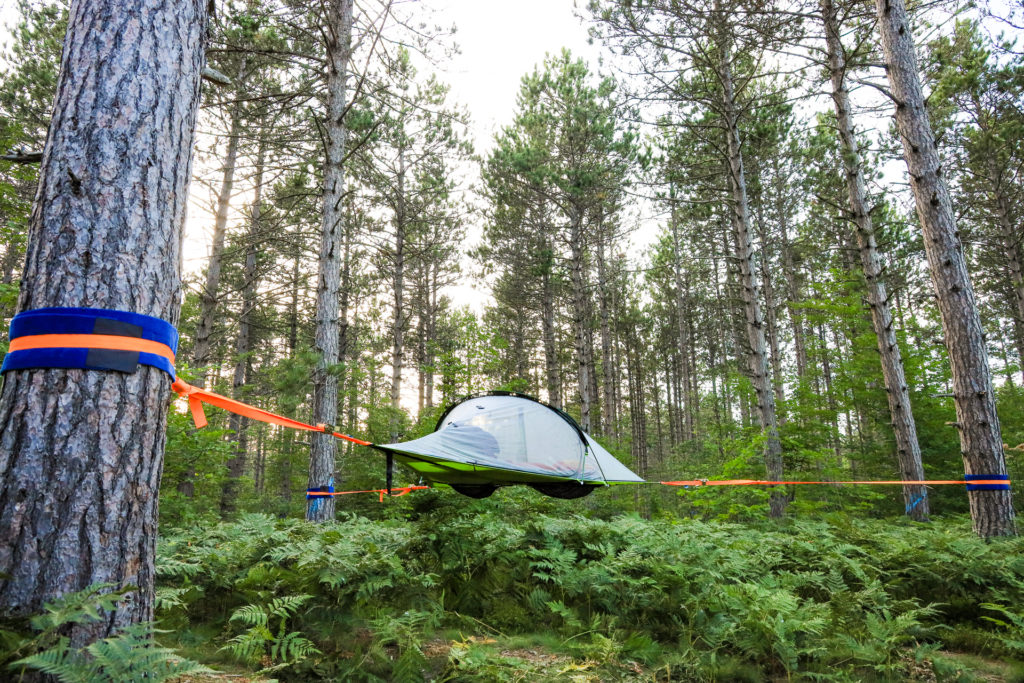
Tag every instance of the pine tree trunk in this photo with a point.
(744, 253)
(398, 286)
(81, 451)
(980, 438)
(1011, 238)
(323, 447)
(580, 321)
(211, 287)
(553, 375)
(236, 423)
(607, 365)
(907, 448)
(431, 318)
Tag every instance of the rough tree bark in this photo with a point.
(81, 451)
(908, 452)
(323, 447)
(744, 257)
(980, 438)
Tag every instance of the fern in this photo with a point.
(131, 655)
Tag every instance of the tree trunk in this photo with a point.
(209, 296)
(1011, 238)
(81, 451)
(323, 447)
(584, 360)
(771, 320)
(236, 423)
(398, 285)
(980, 438)
(744, 252)
(683, 340)
(607, 365)
(429, 348)
(554, 380)
(908, 451)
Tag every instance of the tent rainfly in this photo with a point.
(502, 439)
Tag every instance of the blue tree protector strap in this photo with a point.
(987, 478)
(60, 338)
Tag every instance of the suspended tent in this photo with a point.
(503, 439)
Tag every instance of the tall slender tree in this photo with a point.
(981, 441)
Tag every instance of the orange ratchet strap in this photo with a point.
(197, 397)
(893, 482)
(394, 492)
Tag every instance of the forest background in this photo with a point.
(625, 286)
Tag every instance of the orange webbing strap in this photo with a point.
(91, 341)
(197, 397)
(893, 482)
(403, 489)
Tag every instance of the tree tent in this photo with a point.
(502, 439)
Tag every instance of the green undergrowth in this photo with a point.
(461, 596)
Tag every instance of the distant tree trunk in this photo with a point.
(553, 375)
(683, 340)
(344, 295)
(580, 321)
(81, 451)
(770, 320)
(398, 286)
(430, 332)
(607, 364)
(907, 448)
(243, 364)
(744, 253)
(211, 287)
(980, 438)
(323, 447)
(1011, 238)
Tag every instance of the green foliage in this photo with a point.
(359, 600)
(131, 655)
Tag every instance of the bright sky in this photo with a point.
(500, 43)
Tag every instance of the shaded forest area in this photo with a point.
(761, 240)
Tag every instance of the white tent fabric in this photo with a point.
(519, 434)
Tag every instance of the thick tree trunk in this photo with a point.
(211, 287)
(744, 253)
(323, 447)
(81, 451)
(236, 423)
(980, 438)
(908, 451)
